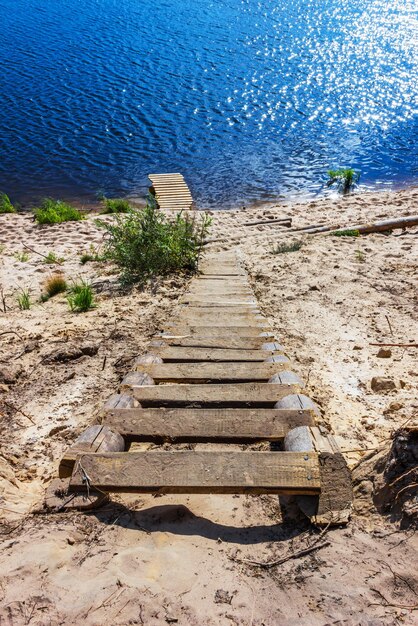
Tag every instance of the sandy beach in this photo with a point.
(175, 559)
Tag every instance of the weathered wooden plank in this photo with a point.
(200, 472)
(333, 505)
(218, 331)
(96, 438)
(205, 372)
(189, 425)
(241, 343)
(234, 394)
(173, 353)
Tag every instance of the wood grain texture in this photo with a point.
(96, 438)
(206, 372)
(235, 394)
(200, 472)
(180, 354)
(190, 425)
(244, 343)
(218, 331)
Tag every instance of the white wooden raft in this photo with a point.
(171, 191)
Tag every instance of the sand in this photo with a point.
(175, 559)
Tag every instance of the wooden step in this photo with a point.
(199, 472)
(188, 425)
(179, 354)
(206, 372)
(234, 394)
(244, 343)
(180, 328)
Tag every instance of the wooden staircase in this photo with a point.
(215, 375)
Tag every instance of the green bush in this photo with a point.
(5, 205)
(145, 243)
(54, 212)
(115, 205)
(345, 178)
(81, 297)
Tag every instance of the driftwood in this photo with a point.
(383, 226)
(285, 221)
(395, 345)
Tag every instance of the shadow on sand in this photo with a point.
(180, 520)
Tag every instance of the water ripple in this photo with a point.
(249, 100)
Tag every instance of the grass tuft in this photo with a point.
(54, 212)
(53, 285)
(93, 255)
(346, 233)
(23, 257)
(282, 248)
(23, 300)
(5, 205)
(345, 178)
(81, 297)
(145, 243)
(115, 205)
(51, 258)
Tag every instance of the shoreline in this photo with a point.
(91, 203)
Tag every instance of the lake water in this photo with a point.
(249, 100)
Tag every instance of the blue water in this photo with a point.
(250, 100)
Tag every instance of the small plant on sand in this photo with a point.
(5, 205)
(23, 256)
(145, 243)
(346, 233)
(345, 178)
(54, 212)
(93, 255)
(360, 256)
(115, 205)
(282, 248)
(23, 300)
(51, 258)
(81, 297)
(53, 285)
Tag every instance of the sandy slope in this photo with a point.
(172, 559)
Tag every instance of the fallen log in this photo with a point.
(286, 221)
(383, 226)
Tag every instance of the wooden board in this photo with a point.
(171, 191)
(205, 424)
(234, 394)
(240, 343)
(172, 353)
(218, 331)
(200, 472)
(205, 372)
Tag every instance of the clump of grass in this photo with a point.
(346, 233)
(53, 285)
(5, 205)
(360, 256)
(55, 211)
(115, 205)
(145, 243)
(282, 248)
(23, 256)
(93, 255)
(81, 297)
(51, 258)
(345, 178)
(23, 300)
